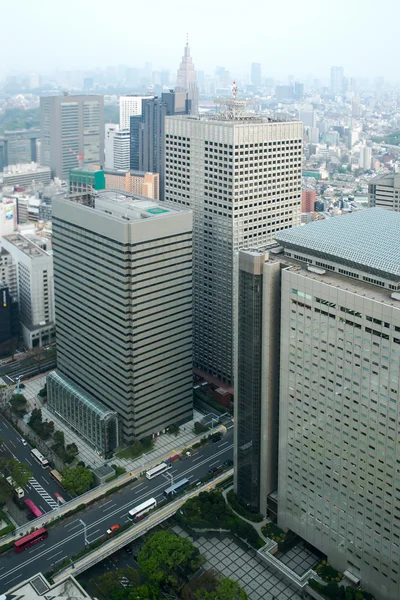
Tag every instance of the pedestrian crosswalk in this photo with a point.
(42, 492)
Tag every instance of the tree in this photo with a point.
(59, 438)
(19, 472)
(109, 584)
(36, 417)
(18, 403)
(227, 589)
(199, 428)
(77, 480)
(72, 449)
(173, 429)
(166, 557)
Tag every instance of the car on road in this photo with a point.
(227, 463)
(24, 442)
(128, 549)
(212, 470)
(113, 528)
(216, 439)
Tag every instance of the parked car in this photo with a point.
(216, 439)
(227, 463)
(113, 528)
(128, 549)
(212, 470)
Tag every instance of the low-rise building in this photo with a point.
(134, 182)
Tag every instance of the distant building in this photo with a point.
(256, 74)
(284, 92)
(83, 181)
(34, 267)
(308, 198)
(17, 147)
(24, 175)
(8, 216)
(298, 90)
(186, 80)
(130, 106)
(134, 182)
(337, 80)
(127, 351)
(72, 132)
(147, 132)
(117, 147)
(365, 157)
(384, 191)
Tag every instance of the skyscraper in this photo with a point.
(337, 80)
(241, 175)
(117, 147)
(186, 80)
(126, 347)
(72, 132)
(256, 74)
(147, 131)
(130, 106)
(330, 300)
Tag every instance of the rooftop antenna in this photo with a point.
(234, 90)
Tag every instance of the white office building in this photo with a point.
(241, 175)
(384, 191)
(130, 106)
(330, 299)
(117, 148)
(34, 270)
(126, 346)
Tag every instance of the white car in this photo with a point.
(24, 442)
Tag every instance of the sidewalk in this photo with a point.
(164, 446)
(257, 526)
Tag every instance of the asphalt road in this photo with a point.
(67, 538)
(42, 488)
(28, 367)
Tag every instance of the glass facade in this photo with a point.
(249, 389)
(95, 423)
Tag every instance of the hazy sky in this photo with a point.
(287, 37)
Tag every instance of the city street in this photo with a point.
(42, 488)
(67, 538)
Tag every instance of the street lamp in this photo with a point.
(84, 532)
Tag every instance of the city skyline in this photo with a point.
(291, 53)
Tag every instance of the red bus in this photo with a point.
(32, 509)
(31, 539)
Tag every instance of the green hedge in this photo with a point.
(327, 572)
(241, 510)
(333, 591)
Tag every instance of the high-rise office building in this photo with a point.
(72, 132)
(298, 90)
(241, 175)
(130, 106)
(365, 157)
(330, 295)
(34, 270)
(186, 80)
(126, 349)
(147, 131)
(337, 80)
(256, 74)
(17, 147)
(116, 147)
(308, 198)
(384, 191)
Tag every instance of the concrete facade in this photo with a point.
(34, 268)
(72, 132)
(242, 179)
(123, 287)
(384, 191)
(135, 182)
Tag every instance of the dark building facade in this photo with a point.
(147, 132)
(9, 319)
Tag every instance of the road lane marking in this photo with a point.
(109, 502)
(28, 461)
(108, 507)
(51, 557)
(214, 463)
(102, 518)
(196, 458)
(42, 492)
(220, 446)
(17, 577)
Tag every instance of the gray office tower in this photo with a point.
(123, 296)
(319, 329)
(147, 132)
(241, 175)
(18, 147)
(256, 74)
(72, 132)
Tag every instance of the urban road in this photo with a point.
(67, 538)
(41, 489)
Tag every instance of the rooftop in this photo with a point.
(38, 587)
(24, 244)
(368, 240)
(131, 207)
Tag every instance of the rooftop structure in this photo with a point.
(367, 240)
(38, 588)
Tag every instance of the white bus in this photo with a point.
(40, 458)
(18, 491)
(161, 468)
(139, 511)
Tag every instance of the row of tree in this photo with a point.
(19, 473)
(168, 562)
